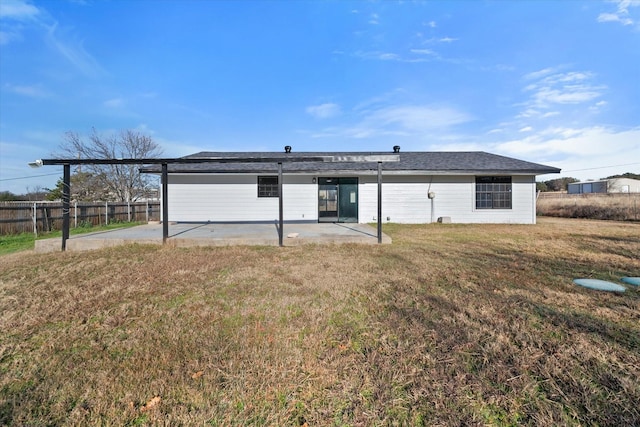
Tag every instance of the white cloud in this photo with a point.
(529, 112)
(573, 94)
(13, 15)
(424, 55)
(622, 13)
(374, 19)
(418, 117)
(28, 15)
(423, 51)
(526, 129)
(323, 111)
(397, 120)
(550, 87)
(614, 17)
(33, 91)
(7, 36)
(114, 103)
(539, 74)
(577, 149)
(74, 53)
(386, 56)
(17, 10)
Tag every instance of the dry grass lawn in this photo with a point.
(450, 325)
(617, 207)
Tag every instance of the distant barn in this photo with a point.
(612, 185)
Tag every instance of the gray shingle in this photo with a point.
(423, 162)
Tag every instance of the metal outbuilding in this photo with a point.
(604, 186)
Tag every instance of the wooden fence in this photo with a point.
(39, 217)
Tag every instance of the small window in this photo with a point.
(268, 186)
(493, 192)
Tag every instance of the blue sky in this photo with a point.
(554, 82)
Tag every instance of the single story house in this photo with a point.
(611, 185)
(420, 187)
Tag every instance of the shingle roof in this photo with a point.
(423, 162)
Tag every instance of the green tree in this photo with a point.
(84, 187)
(625, 175)
(8, 196)
(559, 184)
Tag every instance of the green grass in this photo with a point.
(25, 241)
(16, 242)
(449, 325)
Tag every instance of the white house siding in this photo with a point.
(234, 198)
(405, 200)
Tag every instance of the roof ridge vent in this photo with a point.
(287, 149)
(396, 148)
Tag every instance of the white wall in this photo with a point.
(624, 185)
(404, 200)
(234, 198)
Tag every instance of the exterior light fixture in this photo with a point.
(35, 164)
(313, 180)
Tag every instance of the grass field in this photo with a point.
(616, 206)
(449, 325)
(24, 241)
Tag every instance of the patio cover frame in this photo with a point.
(165, 162)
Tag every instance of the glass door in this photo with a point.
(348, 200)
(338, 199)
(328, 199)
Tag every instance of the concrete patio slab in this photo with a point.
(220, 234)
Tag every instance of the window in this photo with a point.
(268, 186)
(493, 192)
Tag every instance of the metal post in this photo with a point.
(35, 218)
(165, 203)
(66, 197)
(280, 205)
(379, 202)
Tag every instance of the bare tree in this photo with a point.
(123, 182)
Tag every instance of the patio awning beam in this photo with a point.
(164, 163)
(187, 160)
